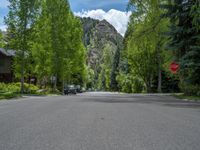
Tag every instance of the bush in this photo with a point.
(13, 87)
(8, 95)
(130, 84)
(30, 88)
(137, 85)
(124, 83)
(2, 87)
(16, 87)
(191, 90)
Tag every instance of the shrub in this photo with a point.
(8, 95)
(12, 87)
(130, 84)
(16, 87)
(30, 88)
(191, 90)
(2, 87)
(137, 85)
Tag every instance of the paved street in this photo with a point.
(100, 121)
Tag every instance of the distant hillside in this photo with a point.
(100, 38)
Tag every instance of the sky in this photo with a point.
(114, 11)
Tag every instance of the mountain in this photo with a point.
(103, 43)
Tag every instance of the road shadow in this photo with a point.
(168, 101)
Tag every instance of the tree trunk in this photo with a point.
(159, 80)
(158, 47)
(63, 87)
(159, 72)
(148, 86)
(22, 74)
(55, 84)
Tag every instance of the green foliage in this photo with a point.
(182, 96)
(1, 40)
(115, 71)
(125, 83)
(104, 79)
(90, 78)
(8, 95)
(184, 41)
(145, 42)
(47, 38)
(137, 85)
(16, 87)
(41, 47)
(103, 44)
(9, 88)
(191, 90)
(130, 84)
(63, 56)
(144, 52)
(19, 20)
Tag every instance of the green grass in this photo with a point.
(9, 95)
(182, 96)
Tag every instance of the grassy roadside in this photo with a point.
(9, 95)
(192, 98)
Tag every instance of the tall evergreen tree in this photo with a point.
(115, 70)
(185, 38)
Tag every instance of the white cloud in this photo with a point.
(3, 27)
(4, 3)
(117, 18)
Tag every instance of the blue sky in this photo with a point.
(106, 5)
(101, 9)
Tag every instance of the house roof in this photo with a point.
(8, 53)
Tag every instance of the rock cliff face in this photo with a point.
(97, 36)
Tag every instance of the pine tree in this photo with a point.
(185, 38)
(115, 71)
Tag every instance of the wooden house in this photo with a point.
(6, 60)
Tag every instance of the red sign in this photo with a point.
(174, 67)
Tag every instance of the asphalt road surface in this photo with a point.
(100, 121)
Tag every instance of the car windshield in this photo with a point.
(71, 86)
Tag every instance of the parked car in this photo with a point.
(70, 89)
(78, 89)
(83, 89)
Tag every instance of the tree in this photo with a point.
(115, 71)
(106, 67)
(41, 46)
(19, 21)
(78, 52)
(1, 40)
(184, 37)
(144, 41)
(47, 38)
(58, 49)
